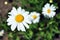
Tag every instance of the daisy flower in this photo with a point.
(1, 32)
(48, 11)
(35, 17)
(18, 18)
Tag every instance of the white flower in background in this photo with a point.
(51, 1)
(18, 18)
(48, 11)
(1, 32)
(35, 17)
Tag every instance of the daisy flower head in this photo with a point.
(49, 10)
(1, 32)
(35, 17)
(18, 18)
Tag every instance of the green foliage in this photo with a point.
(33, 5)
(58, 16)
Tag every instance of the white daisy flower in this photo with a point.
(35, 17)
(18, 18)
(48, 11)
(1, 32)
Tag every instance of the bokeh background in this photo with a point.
(38, 31)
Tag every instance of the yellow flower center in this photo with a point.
(34, 16)
(19, 18)
(48, 11)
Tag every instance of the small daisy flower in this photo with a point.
(1, 32)
(18, 18)
(35, 17)
(48, 11)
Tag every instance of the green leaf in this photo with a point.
(42, 34)
(49, 35)
(32, 26)
(28, 34)
(33, 1)
(58, 16)
(17, 38)
(10, 35)
(42, 24)
(4, 26)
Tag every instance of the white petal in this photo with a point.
(38, 14)
(47, 5)
(2, 31)
(14, 8)
(29, 22)
(27, 12)
(13, 12)
(53, 8)
(44, 9)
(13, 26)
(35, 21)
(18, 27)
(23, 11)
(44, 12)
(19, 10)
(22, 27)
(26, 25)
(9, 23)
(53, 14)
